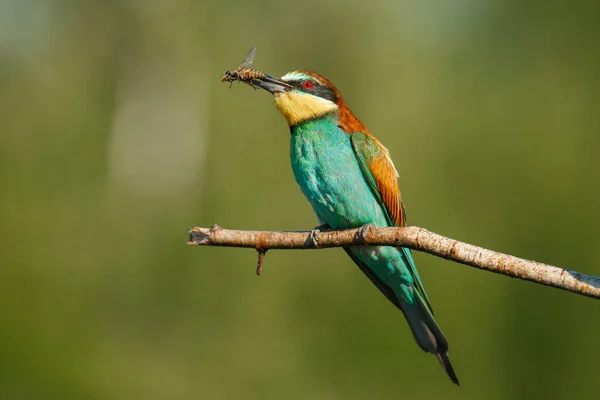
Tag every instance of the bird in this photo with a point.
(350, 180)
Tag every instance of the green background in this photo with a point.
(116, 136)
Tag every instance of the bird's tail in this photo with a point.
(427, 333)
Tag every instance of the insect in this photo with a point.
(244, 73)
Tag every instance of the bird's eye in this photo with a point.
(307, 85)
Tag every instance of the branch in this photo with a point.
(412, 237)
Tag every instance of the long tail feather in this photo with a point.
(420, 319)
(428, 334)
(445, 361)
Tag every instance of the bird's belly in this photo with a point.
(332, 181)
(326, 168)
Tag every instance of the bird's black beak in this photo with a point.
(272, 84)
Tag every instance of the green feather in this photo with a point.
(366, 150)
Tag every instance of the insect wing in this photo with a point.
(249, 58)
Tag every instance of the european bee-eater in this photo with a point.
(348, 177)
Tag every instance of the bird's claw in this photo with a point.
(312, 235)
(362, 232)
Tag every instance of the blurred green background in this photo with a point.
(116, 136)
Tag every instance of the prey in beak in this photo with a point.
(255, 78)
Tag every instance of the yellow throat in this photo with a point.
(297, 106)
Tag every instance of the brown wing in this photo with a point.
(385, 176)
(381, 174)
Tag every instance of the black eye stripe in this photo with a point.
(317, 90)
(324, 92)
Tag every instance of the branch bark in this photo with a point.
(412, 237)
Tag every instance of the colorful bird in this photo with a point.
(348, 177)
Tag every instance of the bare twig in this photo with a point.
(412, 237)
(259, 263)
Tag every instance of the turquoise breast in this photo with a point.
(330, 177)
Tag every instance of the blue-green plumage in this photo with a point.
(350, 181)
(327, 170)
(330, 174)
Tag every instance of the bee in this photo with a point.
(244, 73)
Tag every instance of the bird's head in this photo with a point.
(305, 95)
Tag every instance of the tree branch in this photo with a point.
(412, 237)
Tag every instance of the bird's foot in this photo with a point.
(312, 236)
(362, 232)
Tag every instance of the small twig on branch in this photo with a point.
(412, 237)
(259, 263)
